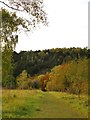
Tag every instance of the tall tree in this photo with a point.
(8, 39)
(10, 26)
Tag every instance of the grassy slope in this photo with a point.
(38, 104)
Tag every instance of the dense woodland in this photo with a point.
(38, 62)
(60, 69)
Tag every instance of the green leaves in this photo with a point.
(32, 8)
(22, 80)
(11, 24)
(8, 80)
(9, 38)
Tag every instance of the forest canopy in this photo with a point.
(60, 69)
(64, 70)
(39, 62)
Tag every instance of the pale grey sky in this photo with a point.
(68, 27)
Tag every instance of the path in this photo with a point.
(53, 107)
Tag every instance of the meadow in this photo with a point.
(39, 104)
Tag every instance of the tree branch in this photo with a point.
(10, 6)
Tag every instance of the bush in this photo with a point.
(72, 77)
(35, 84)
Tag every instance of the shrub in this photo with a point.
(35, 84)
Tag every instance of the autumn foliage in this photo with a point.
(71, 77)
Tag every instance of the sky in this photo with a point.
(68, 27)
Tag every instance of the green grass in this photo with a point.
(79, 104)
(0, 72)
(20, 103)
(38, 104)
(0, 104)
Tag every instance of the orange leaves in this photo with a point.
(70, 75)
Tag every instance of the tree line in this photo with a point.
(71, 77)
(39, 62)
(32, 69)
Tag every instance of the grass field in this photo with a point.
(0, 87)
(38, 104)
(0, 103)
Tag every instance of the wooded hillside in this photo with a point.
(60, 69)
(38, 62)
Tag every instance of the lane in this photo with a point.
(53, 107)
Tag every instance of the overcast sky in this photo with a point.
(68, 27)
